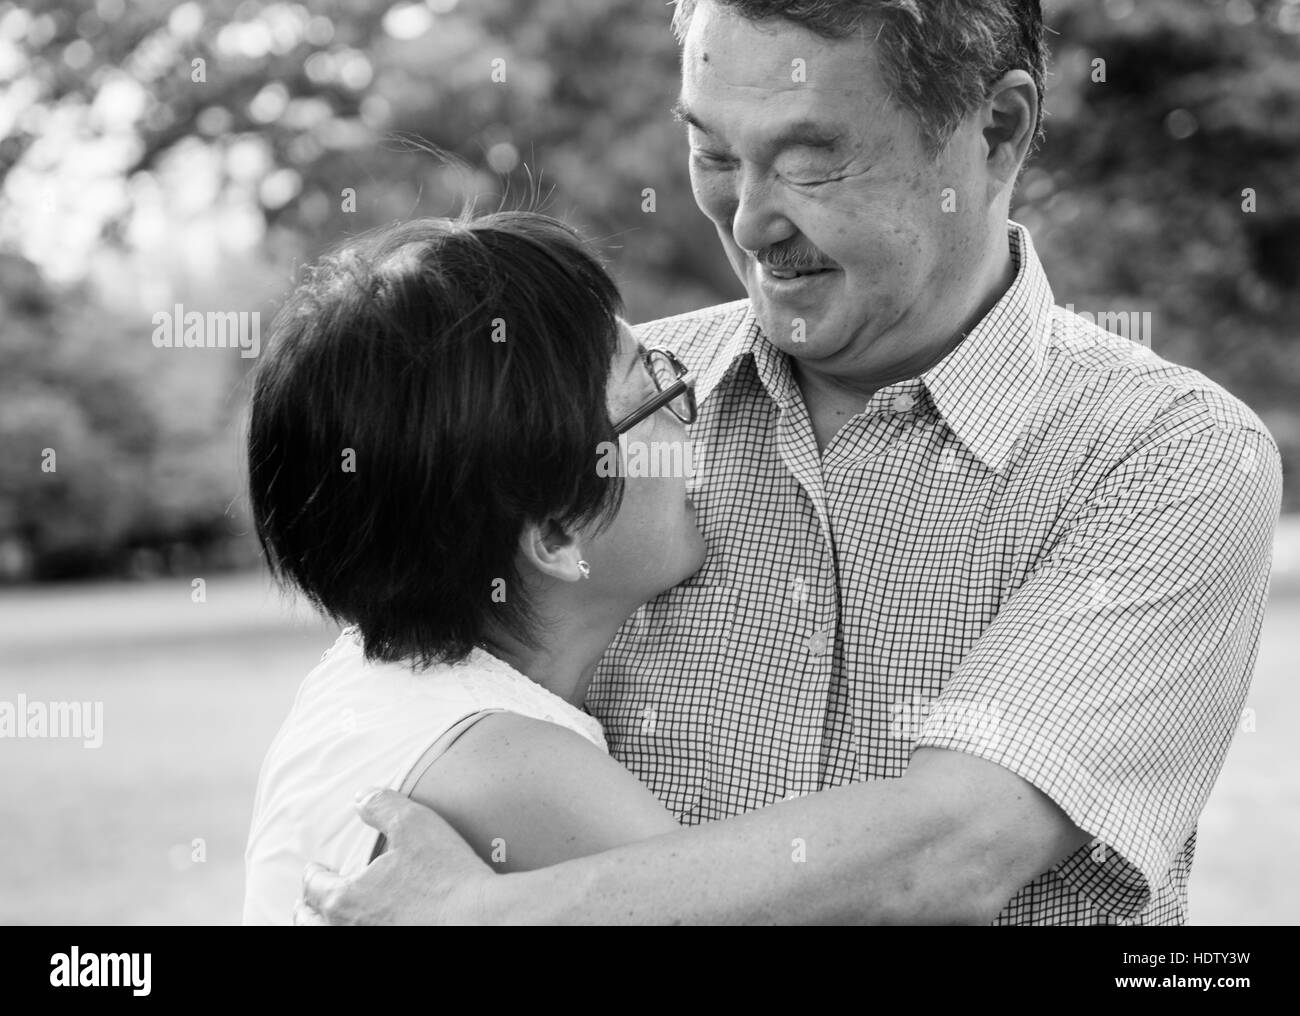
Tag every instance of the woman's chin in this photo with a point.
(687, 560)
(697, 551)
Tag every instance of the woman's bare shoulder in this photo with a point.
(527, 793)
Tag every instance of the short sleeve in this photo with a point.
(1114, 678)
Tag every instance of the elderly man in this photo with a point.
(984, 582)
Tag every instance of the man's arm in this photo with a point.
(950, 842)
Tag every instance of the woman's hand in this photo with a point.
(428, 875)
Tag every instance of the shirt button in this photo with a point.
(904, 403)
(819, 644)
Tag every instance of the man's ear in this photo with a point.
(1010, 116)
(552, 550)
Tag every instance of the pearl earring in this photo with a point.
(585, 569)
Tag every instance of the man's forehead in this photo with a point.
(777, 69)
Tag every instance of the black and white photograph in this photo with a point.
(627, 462)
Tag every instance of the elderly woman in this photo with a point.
(422, 461)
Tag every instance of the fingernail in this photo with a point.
(363, 796)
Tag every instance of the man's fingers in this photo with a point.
(305, 917)
(426, 864)
(388, 811)
(317, 883)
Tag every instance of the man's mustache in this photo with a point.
(792, 258)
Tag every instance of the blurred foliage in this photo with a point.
(153, 153)
(99, 473)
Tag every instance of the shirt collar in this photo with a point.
(746, 339)
(983, 389)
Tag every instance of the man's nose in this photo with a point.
(758, 220)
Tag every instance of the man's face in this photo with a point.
(828, 177)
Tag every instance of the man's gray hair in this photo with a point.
(939, 57)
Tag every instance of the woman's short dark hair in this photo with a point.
(429, 390)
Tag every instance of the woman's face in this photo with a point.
(653, 543)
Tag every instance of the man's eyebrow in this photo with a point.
(683, 115)
(808, 134)
(800, 134)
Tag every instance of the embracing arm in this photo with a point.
(950, 842)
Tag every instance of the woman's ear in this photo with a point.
(552, 550)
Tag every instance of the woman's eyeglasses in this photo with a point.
(676, 390)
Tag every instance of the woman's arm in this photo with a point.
(526, 794)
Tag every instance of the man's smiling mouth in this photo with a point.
(791, 273)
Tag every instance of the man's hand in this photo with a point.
(429, 875)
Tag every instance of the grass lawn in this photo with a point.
(193, 693)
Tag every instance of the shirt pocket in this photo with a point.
(655, 692)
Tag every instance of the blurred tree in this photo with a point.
(94, 475)
(71, 476)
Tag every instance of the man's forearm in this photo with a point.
(885, 851)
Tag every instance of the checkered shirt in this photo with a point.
(1050, 551)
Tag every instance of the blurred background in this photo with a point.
(155, 155)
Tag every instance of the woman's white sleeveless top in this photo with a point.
(354, 725)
